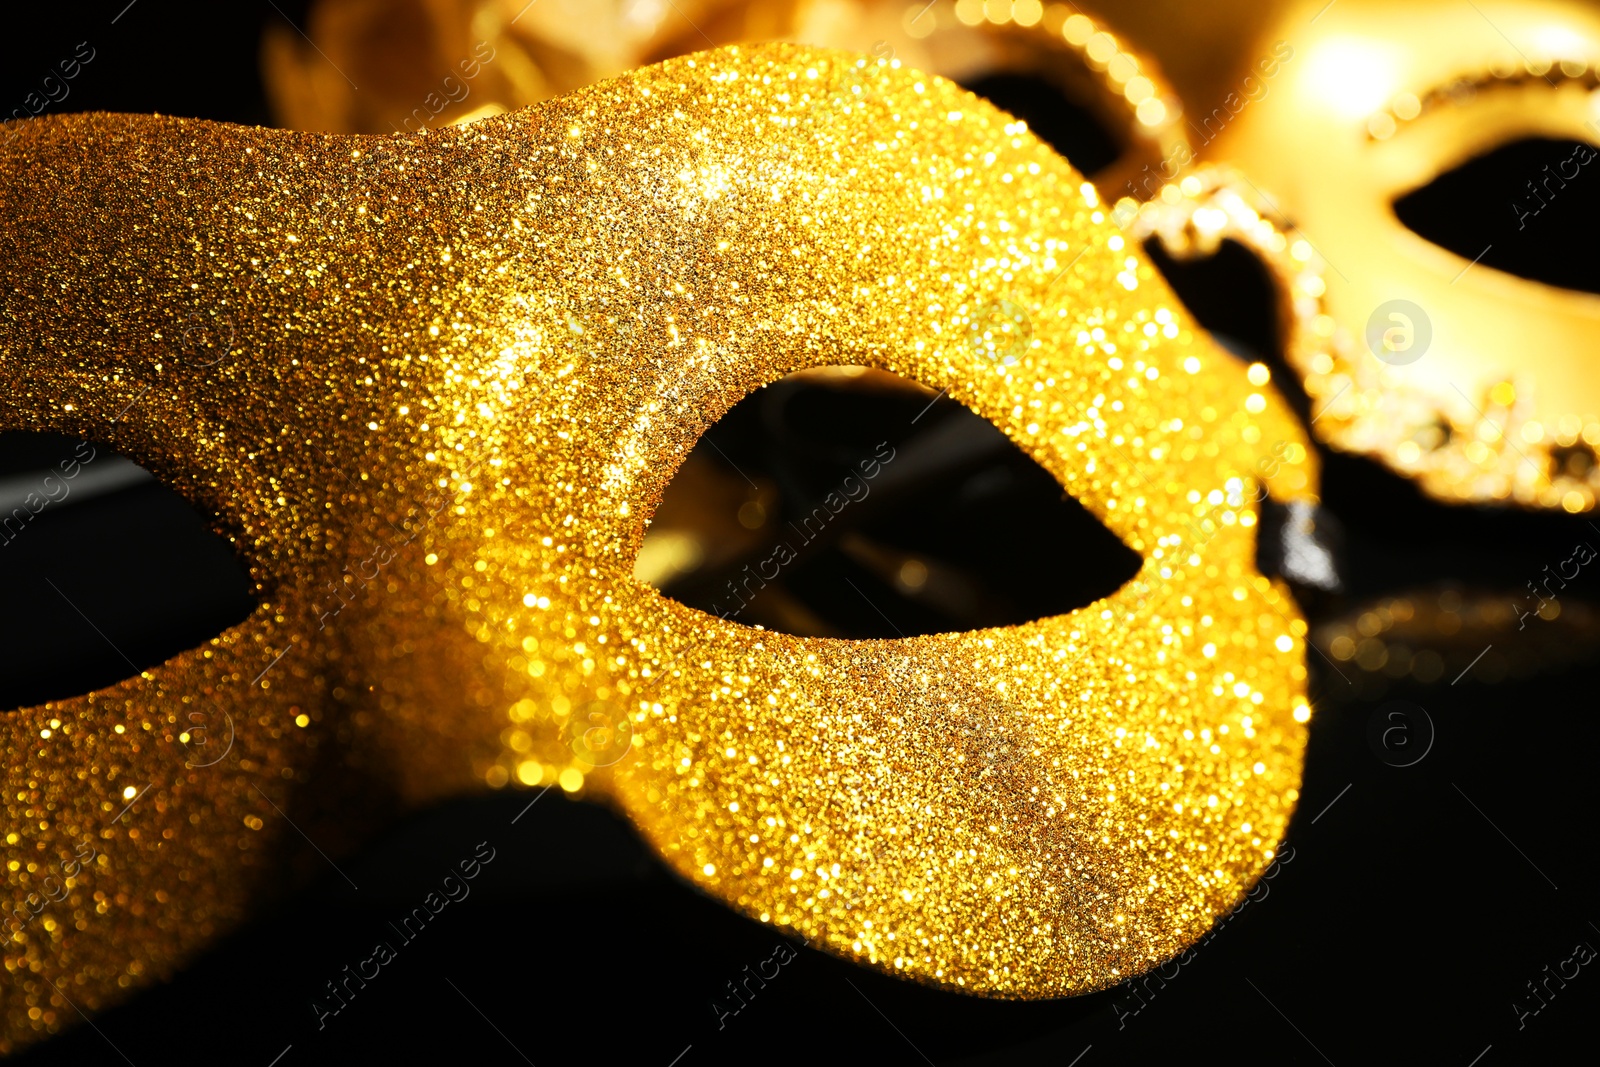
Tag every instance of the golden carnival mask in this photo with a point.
(355, 354)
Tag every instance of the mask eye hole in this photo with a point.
(848, 502)
(1526, 202)
(1230, 294)
(1053, 116)
(107, 572)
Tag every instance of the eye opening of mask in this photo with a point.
(850, 502)
(108, 571)
(1520, 208)
(1053, 115)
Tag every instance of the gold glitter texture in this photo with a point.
(391, 402)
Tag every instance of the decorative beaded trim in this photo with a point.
(1458, 448)
(1408, 107)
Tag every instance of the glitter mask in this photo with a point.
(356, 355)
(1478, 383)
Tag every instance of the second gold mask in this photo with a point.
(1476, 382)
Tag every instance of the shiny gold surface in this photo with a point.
(357, 355)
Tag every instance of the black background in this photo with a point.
(1419, 901)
